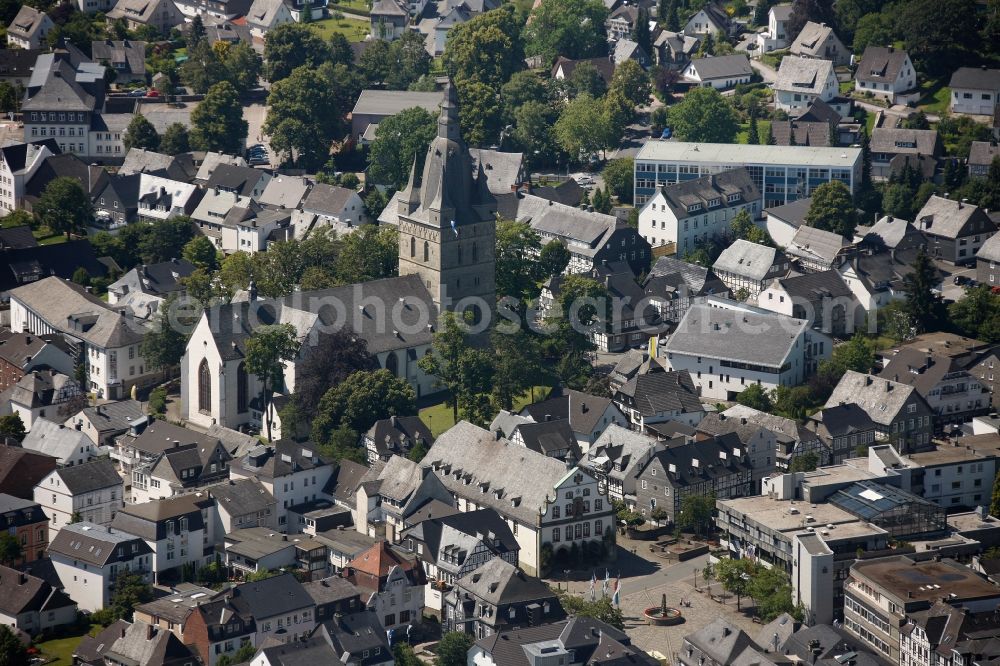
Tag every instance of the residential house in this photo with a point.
(147, 438)
(395, 435)
(451, 547)
(41, 394)
(499, 596)
(175, 167)
(818, 40)
(179, 530)
(719, 72)
(401, 490)
(339, 208)
(901, 415)
(588, 415)
(782, 222)
(315, 649)
(950, 389)
(343, 545)
(660, 396)
(690, 212)
(586, 639)
(265, 15)
(716, 466)
(987, 260)
(879, 278)
(563, 67)
(709, 20)
(625, 49)
(211, 10)
(141, 643)
(616, 459)
(17, 237)
(29, 29)
(981, 156)
(621, 22)
(374, 106)
(890, 149)
(21, 470)
(802, 81)
(127, 58)
(237, 223)
(842, 429)
(283, 191)
(885, 71)
(360, 637)
(67, 445)
(32, 605)
(88, 558)
(90, 493)
(292, 473)
(724, 350)
(823, 299)
(27, 523)
(243, 504)
(542, 499)
(23, 353)
(674, 50)
(955, 230)
(180, 469)
(162, 198)
(749, 267)
(389, 19)
(244, 181)
(146, 286)
(280, 607)
(171, 612)
(163, 15)
(817, 250)
(784, 435)
(116, 204)
(975, 90)
(91, 650)
(775, 37)
(216, 627)
(797, 132)
(255, 550)
(333, 596)
(16, 65)
(18, 163)
(554, 438)
(390, 583)
(673, 285)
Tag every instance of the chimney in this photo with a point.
(392, 420)
(497, 434)
(150, 632)
(888, 386)
(21, 578)
(548, 417)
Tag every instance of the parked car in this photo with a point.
(667, 133)
(138, 92)
(962, 280)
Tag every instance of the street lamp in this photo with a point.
(566, 578)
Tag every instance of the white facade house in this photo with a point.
(975, 90)
(885, 71)
(709, 20)
(88, 558)
(162, 198)
(18, 163)
(726, 350)
(109, 340)
(801, 81)
(89, 493)
(692, 211)
(750, 266)
(776, 36)
(29, 29)
(38, 397)
(719, 72)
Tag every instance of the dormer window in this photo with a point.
(693, 207)
(714, 202)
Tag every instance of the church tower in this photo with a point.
(447, 221)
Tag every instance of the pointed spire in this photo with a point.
(448, 125)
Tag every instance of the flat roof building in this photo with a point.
(782, 173)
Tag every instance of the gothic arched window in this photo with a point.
(413, 247)
(241, 388)
(392, 364)
(204, 387)
(427, 251)
(475, 252)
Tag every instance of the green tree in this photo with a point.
(371, 253)
(804, 462)
(64, 206)
(158, 400)
(523, 87)
(128, 592)
(374, 62)
(175, 140)
(81, 276)
(445, 362)
(753, 135)
(553, 259)
(873, 29)
(486, 49)
(360, 400)
(453, 649)
(735, 576)
(857, 354)
(217, 123)
(12, 651)
(10, 549)
(571, 28)
(163, 345)
(803, 11)
(410, 60)
(292, 45)
(995, 500)
(517, 271)
(140, 133)
(533, 134)
(978, 314)
(939, 35)
(832, 209)
(704, 116)
(582, 128)
(585, 79)
(330, 361)
(696, 513)
(673, 20)
(641, 34)
(601, 609)
(756, 397)
(516, 363)
(201, 252)
(164, 240)
(771, 590)
(203, 68)
(618, 178)
(897, 201)
(267, 350)
(479, 114)
(342, 443)
(241, 64)
(11, 426)
(925, 307)
(791, 402)
(399, 141)
(403, 655)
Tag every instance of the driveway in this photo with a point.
(255, 114)
(766, 72)
(950, 290)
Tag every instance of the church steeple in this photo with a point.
(448, 123)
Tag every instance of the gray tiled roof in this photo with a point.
(813, 243)
(55, 439)
(499, 582)
(327, 199)
(502, 169)
(747, 337)
(96, 544)
(881, 398)
(90, 476)
(285, 191)
(391, 102)
(897, 140)
(129, 52)
(982, 153)
(659, 392)
(27, 22)
(722, 67)
(747, 259)
(976, 78)
(803, 75)
(811, 39)
(813, 287)
(715, 187)
(881, 64)
(944, 217)
(627, 448)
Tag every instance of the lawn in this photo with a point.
(935, 96)
(360, 5)
(439, 417)
(354, 29)
(61, 649)
(762, 127)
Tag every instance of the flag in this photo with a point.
(616, 599)
(653, 342)
(593, 586)
(606, 583)
(454, 227)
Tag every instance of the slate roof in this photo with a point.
(140, 160)
(24, 593)
(356, 634)
(135, 647)
(92, 649)
(604, 66)
(60, 90)
(786, 428)
(813, 287)
(722, 67)
(990, 250)
(659, 392)
(583, 410)
(240, 179)
(523, 478)
(548, 437)
(263, 12)
(346, 479)
(811, 39)
(881, 64)
(582, 635)
(811, 243)
(399, 479)
(745, 337)
(982, 153)
(720, 641)
(460, 532)
(20, 155)
(131, 53)
(628, 449)
(944, 217)
(27, 22)
(18, 63)
(160, 436)
(820, 112)
(398, 434)
(803, 75)
(502, 169)
(21, 470)
(327, 199)
(57, 261)
(701, 191)
(19, 348)
(869, 392)
(272, 596)
(793, 213)
(284, 191)
(147, 520)
(898, 141)
(805, 133)
(330, 590)
(280, 459)
(96, 544)
(68, 165)
(500, 583)
(747, 259)
(90, 476)
(893, 231)
(55, 439)
(390, 102)
(15, 512)
(698, 280)
(312, 651)
(839, 420)
(920, 369)
(242, 497)
(975, 78)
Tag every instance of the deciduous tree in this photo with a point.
(292, 45)
(570, 28)
(267, 350)
(398, 141)
(217, 123)
(704, 116)
(360, 400)
(64, 206)
(924, 306)
(140, 133)
(832, 209)
(175, 140)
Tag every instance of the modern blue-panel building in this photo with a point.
(783, 173)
